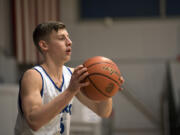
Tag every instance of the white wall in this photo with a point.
(138, 109)
(121, 39)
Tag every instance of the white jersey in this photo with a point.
(60, 125)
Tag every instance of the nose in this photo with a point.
(69, 42)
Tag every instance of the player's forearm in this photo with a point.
(42, 115)
(104, 108)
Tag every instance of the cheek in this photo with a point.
(58, 50)
(58, 46)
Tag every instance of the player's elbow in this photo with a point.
(34, 126)
(106, 111)
(106, 115)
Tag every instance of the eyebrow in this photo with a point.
(63, 35)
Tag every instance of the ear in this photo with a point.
(43, 45)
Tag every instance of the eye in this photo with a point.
(62, 38)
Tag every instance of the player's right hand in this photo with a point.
(77, 78)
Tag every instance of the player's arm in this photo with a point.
(103, 108)
(38, 114)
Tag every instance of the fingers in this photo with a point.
(84, 84)
(78, 68)
(78, 77)
(121, 88)
(83, 76)
(122, 81)
(81, 72)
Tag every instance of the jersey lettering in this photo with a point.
(61, 126)
(67, 109)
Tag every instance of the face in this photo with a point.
(59, 46)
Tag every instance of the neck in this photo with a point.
(53, 69)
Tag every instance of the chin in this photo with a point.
(67, 59)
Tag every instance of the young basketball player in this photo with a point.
(46, 91)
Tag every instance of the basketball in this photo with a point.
(104, 78)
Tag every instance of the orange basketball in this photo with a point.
(104, 78)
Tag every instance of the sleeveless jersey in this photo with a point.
(59, 125)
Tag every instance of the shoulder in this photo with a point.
(31, 79)
(31, 75)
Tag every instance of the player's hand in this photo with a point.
(77, 78)
(121, 81)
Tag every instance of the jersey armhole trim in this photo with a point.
(42, 82)
(69, 70)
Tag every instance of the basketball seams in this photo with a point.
(98, 63)
(101, 69)
(104, 76)
(97, 88)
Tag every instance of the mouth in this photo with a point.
(68, 51)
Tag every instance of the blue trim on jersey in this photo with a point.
(60, 89)
(42, 81)
(69, 70)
